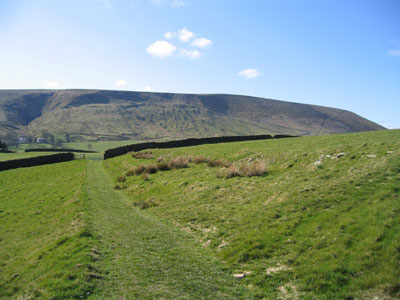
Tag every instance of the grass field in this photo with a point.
(44, 242)
(323, 223)
(65, 233)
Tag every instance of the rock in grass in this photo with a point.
(239, 275)
(339, 155)
(389, 152)
(317, 163)
(371, 155)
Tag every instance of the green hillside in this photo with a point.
(323, 222)
(91, 115)
(300, 218)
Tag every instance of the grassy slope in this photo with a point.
(303, 230)
(145, 258)
(66, 234)
(44, 244)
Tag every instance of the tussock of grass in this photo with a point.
(222, 163)
(245, 169)
(143, 155)
(180, 162)
(200, 159)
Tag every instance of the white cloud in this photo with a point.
(169, 35)
(147, 88)
(249, 73)
(185, 35)
(120, 83)
(202, 42)
(192, 54)
(161, 49)
(394, 52)
(52, 84)
(177, 3)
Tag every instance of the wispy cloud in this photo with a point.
(185, 35)
(161, 49)
(52, 84)
(120, 83)
(394, 52)
(192, 54)
(250, 73)
(169, 35)
(202, 42)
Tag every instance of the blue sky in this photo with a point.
(338, 53)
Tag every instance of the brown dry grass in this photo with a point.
(199, 159)
(248, 169)
(143, 155)
(219, 163)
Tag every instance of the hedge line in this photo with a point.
(187, 142)
(59, 150)
(35, 161)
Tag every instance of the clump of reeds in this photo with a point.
(222, 163)
(199, 159)
(163, 166)
(143, 155)
(180, 162)
(247, 169)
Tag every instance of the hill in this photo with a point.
(90, 115)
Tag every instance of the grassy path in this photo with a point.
(144, 258)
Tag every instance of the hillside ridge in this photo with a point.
(90, 115)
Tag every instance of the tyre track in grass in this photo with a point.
(143, 257)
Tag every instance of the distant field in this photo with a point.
(323, 222)
(44, 242)
(100, 146)
(19, 155)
